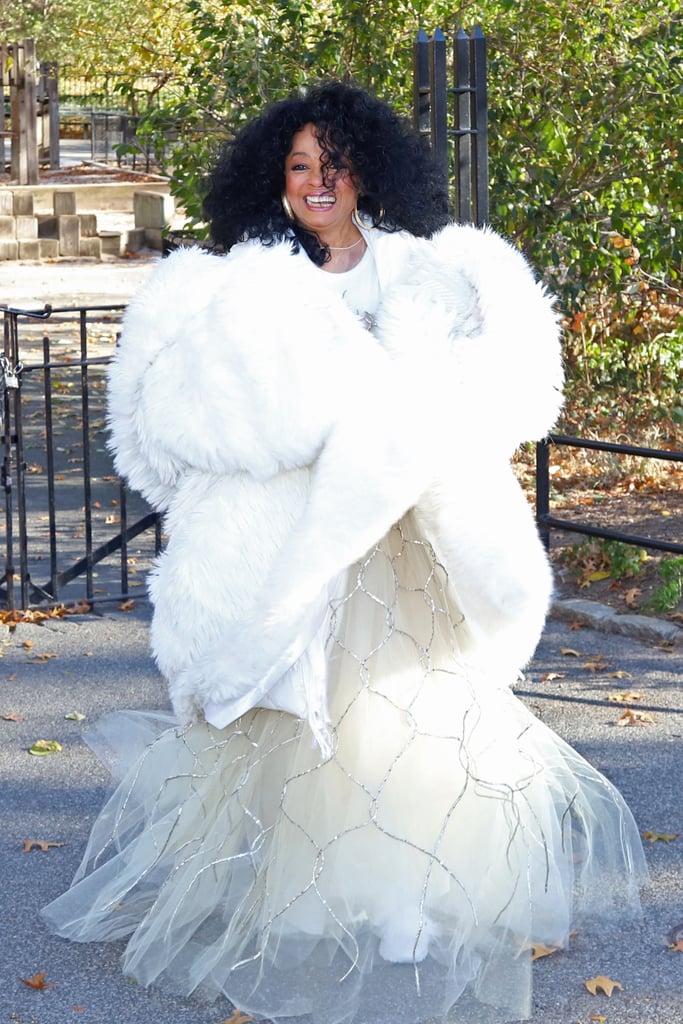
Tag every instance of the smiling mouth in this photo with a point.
(320, 202)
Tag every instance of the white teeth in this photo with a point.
(320, 200)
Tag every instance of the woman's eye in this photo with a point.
(298, 167)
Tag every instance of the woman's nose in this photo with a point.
(316, 176)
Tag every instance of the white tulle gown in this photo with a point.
(402, 879)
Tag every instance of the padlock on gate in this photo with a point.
(10, 377)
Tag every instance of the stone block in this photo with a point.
(47, 225)
(8, 227)
(6, 202)
(88, 224)
(64, 203)
(153, 238)
(153, 210)
(134, 240)
(29, 248)
(111, 243)
(49, 248)
(23, 204)
(90, 247)
(26, 227)
(9, 249)
(69, 228)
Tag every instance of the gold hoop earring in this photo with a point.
(287, 207)
(356, 218)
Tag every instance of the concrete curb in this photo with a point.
(606, 620)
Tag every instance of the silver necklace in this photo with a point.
(344, 248)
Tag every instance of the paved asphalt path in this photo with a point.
(100, 662)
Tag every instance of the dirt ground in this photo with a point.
(583, 567)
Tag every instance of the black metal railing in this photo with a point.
(66, 511)
(450, 107)
(547, 521)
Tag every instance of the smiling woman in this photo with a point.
(349, 817)
(322, 199)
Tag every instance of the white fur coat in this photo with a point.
(281, 440)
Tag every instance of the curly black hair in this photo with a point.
(400, 184)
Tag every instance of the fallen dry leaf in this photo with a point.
(661, 837)
(604, 983)
(41, 844)
(631, 597)
(596, 576)
(569, 652)
(626, 696)
(237, 1018)
(38, 981)
(549, 676)
(13, 716)
(631, 717)
(42, 747)
(677, 946)
(596, 664)
(599, 1019)
(538, 949)
(14, 617)
(40, 659)
(127, 606)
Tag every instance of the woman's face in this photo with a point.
(322, 206)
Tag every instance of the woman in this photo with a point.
(350, 817)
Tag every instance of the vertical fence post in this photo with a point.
(9, 357)
(481, 129)
(438, 104)
(462, 176)
(543, 490)
(421, 83)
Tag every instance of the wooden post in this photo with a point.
(49, 112)
(23, 103)
(53, 101)
(30, 112)
(4, 84)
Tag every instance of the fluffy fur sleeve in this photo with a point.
(233, 364)
(484, 337)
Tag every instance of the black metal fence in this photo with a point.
(547, 521)
(106, 108)
(450, 107)
(69, 521)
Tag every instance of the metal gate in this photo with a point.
(73, 531)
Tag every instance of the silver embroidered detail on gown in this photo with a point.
(398, 881)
